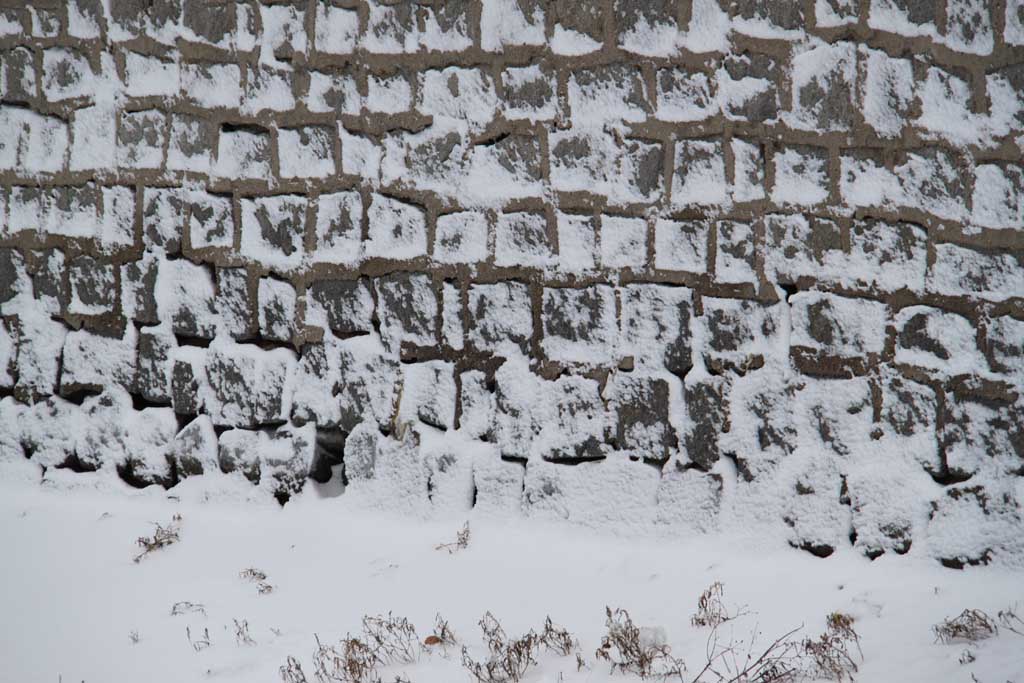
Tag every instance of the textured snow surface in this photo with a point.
(330, 562)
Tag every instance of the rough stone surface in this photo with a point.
(433, 246)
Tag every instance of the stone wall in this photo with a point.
(736, 261)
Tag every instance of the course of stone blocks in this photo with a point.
(683, 263)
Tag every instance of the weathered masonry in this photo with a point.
(674, 264)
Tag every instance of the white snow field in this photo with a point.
(75, 607)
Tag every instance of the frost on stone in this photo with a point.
(655, 327)
(998, 198)
(647, 28)
(306, 152)
(684, 95)
(748, 171)
(244, 154)
(623, 242)
(823, 88)
(886, 92)
(607, 93)
(212, 86)
(969, 26)
(835, 13)
(388, 94)
(529, 93)
(397, 230)
(580, 325)
(428, 394)
(408, 310)
(798, 246)
(522, 239)
(461, 237)
(699, 176)
(801, 176)
(273, 230)
(681, 245)
(973, 524)
(741, 334)
(465, 95)
(736, 256)
(577, 242)
(333, 92)
(889, 256)
(337, 30)
(510, 22)
(499, 316)
(835, 335)
(93, 361)
(610, 494)
(941, 341)
(338, 227)
(959, 271)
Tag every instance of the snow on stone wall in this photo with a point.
(679, 264)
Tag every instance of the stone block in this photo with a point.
(17, 76)
(888, 256)
(707, 409)
(274, 230)
(211, 220)
(428, 394)
(212, 86)
(93, 286)
(141, 137)
(529, 93)
(408, 310)
(398, 230)
(684, 95)
(243, 154)
(163, 219)
(499, 316)
(801, 176)
(511, 22)
(642, 406)
(614, 92)
(194, 449)
(333, 92)
(748, 87)
(522, 239)
(833, 335)
(800, 246)
(958, 271)
(736, 257)
(337, 30)
(276, 300)
(343, 306)
(741, 334)
(940, 341)
(339, 218)
(153, 366)
(699, 174)
(457, 94)
(681, 245)
(646, 27)
(655, 327)
(823, 87)
(623, 242)
(461, 237)
(579, 325)
(306, 152)
(245, 385)
(193, 143)
(67, 74)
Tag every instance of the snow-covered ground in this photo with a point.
(73, 603)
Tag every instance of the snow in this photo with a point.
(504, 23)
(388, 563)
(623, 242)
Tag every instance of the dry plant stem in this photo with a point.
(830, 655)
(778, 663)
(509, 660)
(461, 541)
(971, 625)
(622, 648)
(711, 610)
(186, 607)
(199, 643)
(161, 538)
(392, 639)
(1010, 621)
(242, 636)
(291, 671)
